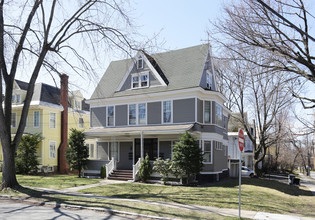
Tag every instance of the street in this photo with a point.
(16, 211)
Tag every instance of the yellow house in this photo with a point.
(44, 117)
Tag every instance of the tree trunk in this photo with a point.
(8, 170)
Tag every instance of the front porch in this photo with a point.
(123, 148)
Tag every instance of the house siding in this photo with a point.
(98, 117)
(102, 151)
(154, 112)
(184, 110)
(121, 113)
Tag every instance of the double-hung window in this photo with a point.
(52, 120)
(110, 115)
(218, 114)
(36, 119)
(167, 111)
(13, 120)
(207, 112)
(142, 114)
(81, 123)
(52, 149)
(207, 152)
(18, 98)
(132, 114)
(140, 80)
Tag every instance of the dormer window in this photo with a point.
(140, 62)
(209, 79)
(139, 80)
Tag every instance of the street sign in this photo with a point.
(241, 140)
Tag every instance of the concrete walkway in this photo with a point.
(215, 210)
(309, 182)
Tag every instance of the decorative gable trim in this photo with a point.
(148, 63)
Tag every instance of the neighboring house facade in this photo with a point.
(44, 117)
(233, 149)
(142, 106)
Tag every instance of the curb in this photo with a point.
(78, 207)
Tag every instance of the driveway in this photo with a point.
(16, 211)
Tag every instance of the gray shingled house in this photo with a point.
(142, 105)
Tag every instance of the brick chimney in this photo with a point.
(62, 164)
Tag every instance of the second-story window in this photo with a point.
(132, 114)
(18, 98)
(142, 116)
(135, 81)
(207, 112)
(52, 120)
(110, 116)
(13, 120)
(167, 111)
(218, 114)
(36, 119)
(81, 123)
(144, 80)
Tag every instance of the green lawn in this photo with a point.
(53, 181)
(257, 195)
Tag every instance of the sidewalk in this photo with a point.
(207, 209)
(309, 182)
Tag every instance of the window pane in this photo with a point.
(207, 112)
(135, 82)
(218, 115)
(52, 120)
(144, 80)
(13, 98)
(132, 114)
(110, 115)
(81, 123)
(36, 119)
(52, 150)
(167, 111)
(207, 151)
(142, 114)
(18, 98)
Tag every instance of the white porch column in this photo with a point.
(141, 144)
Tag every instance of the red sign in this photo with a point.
(241, 140)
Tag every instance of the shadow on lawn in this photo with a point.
(271, 184)
(108, 205)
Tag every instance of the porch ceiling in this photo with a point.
(158, 129)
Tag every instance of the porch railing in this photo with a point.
(136, 169)
(110, 167)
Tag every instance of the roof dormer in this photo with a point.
(143, 72)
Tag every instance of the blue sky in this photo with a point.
(182, 23)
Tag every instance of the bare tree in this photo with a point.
(266, 25)
(52, 34)
(261, 93)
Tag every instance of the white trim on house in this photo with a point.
(217, 172)
(147, 62)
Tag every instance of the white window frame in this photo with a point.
(107, 124)
(52, 154)
(13, 119)
(52, 116)
(171, 120)
(140, 58)
(81, 125)
(139, 83)
(211, 148)
(36, 126)
(13, 99)
(204, 111)
(136, 112)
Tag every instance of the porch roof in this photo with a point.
(157, 129)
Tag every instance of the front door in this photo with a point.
(150, 146)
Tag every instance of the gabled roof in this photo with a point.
(22, 85)
(181, 68)
(49, 94)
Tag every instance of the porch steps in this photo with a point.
(121, 175)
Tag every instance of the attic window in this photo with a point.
(209, 80)
(140, 80)
(140, 63)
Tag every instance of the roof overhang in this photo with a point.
(121, 131)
